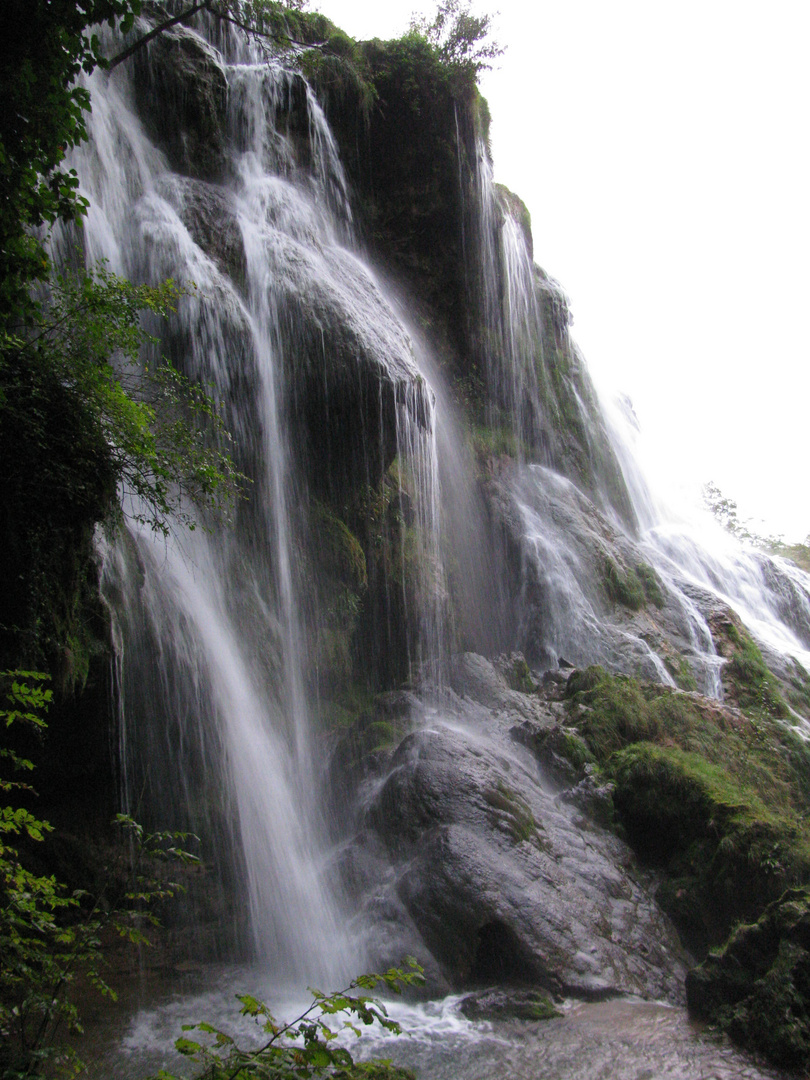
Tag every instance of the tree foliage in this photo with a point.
(150, 423)
(460, 37)
(46, 45)
(82, 422)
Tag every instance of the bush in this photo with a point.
(48, 935)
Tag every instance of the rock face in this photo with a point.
(479, 855)
(183, 92)
(349, 369)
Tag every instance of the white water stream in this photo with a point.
(216, 712)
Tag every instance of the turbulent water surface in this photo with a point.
(626, 1039)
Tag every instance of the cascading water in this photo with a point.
(581, 511)
(215, 656)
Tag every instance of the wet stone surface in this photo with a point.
(484, 859)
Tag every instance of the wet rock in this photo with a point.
(560, 750)
(586, 590)
(496, 1003)
(207, 211)
(758, 986)
(479, 680)
(182, 93)
(350, 364)
(501, 879)
(594, 797)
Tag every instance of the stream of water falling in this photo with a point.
(215, 709)
(771, 596)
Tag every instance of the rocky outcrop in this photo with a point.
(182, 92)
(584, 590)
(480, 859)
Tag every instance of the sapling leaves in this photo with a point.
(303, 1048)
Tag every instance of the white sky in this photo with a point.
(663, 152)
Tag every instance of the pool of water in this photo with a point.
(621, 1039)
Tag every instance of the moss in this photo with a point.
(574, 749)
(725, 852)
(338, 551)
(515, 207)
(541, 1009)
(716, 800)
(757, 987)
(338, 71)
(747, 679)
(519, 676)
(681, 671)
(490, 441)
(651, 584)
(616, 712)
(582, 681)
(623, 587)
(513, 810)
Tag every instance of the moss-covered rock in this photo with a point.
(713, 798)
(757, 987)
(725, 852)
(407, 135)
(509, 1004)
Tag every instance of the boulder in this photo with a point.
(493, 874)
(182, 94)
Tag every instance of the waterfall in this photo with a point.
(309, 363)
(588, 519)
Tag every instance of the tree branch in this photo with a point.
(277, 37)
(224, 16)
(159, 29)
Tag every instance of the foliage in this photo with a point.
(307, 1046)
(461, 38)
(726, 512)
(79, 422)
(49, 936)
(153, 421)
(46, 45)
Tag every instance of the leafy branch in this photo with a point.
(160, 437)
(461, 38)
(726, 513)
(264, 20)
(306, 1046)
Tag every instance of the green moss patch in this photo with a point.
(633, 587)
(715, 799)
(510, 808)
